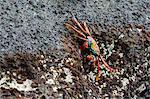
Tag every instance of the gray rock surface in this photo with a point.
(33, 25)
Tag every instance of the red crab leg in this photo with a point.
(82, 38)
(99, 73)
(73, 28)
(76, 21)
(86, 28)
(106, 65)
(98, 67)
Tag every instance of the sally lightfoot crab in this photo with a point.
(88, 46)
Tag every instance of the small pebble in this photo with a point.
(102, 45)
(14, 74)
(104, 84)
(55, 89)
(67, 61)
(80, 96)
(44, 61)
(121, 55)
(71, 64)
(51, 60)
(44, 65)
(19, 76)
(8, 72)
(38, 68)
(121, 36)
(42, 56)
(121, 62)
(68, 88)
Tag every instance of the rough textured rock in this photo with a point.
(33, 25)
(35, 47)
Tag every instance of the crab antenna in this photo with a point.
(76, 21)
(73, 28)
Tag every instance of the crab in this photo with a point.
(88, 45)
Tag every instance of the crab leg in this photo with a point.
(82, 38)
(106, 65)
(98, 67)
(76, 21)
(73, 28)
(86, 28)
(99, 73)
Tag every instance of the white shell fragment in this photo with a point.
(26, 86)
(69, 75)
